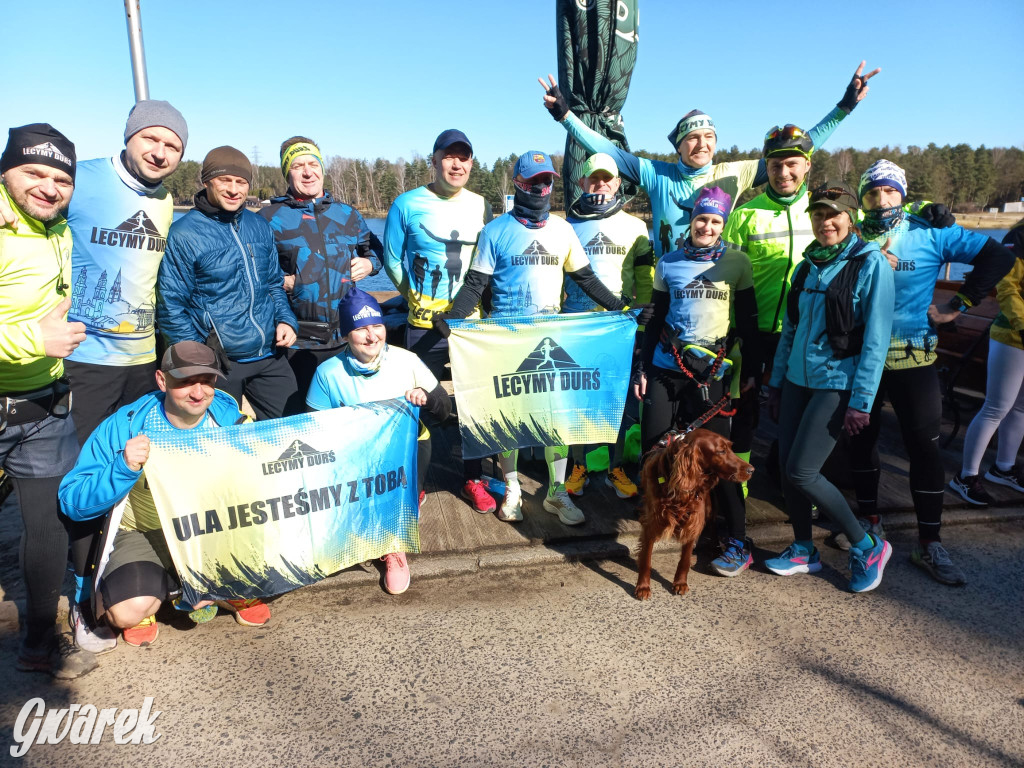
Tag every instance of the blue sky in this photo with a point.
(381, 79)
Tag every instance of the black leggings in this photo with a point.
(917, 401)
(748, 407)
(673, 400)
(43, 554)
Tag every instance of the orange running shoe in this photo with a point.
(251, 613)
(142, 634)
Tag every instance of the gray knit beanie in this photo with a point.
(146, 114)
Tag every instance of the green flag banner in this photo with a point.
(597, 44)
(540, 380)
(259, 509)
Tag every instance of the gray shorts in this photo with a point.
(45, 448)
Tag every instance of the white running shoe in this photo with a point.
(511, 509)
(97, 640)
(560, 504)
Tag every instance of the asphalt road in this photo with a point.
(560, 666)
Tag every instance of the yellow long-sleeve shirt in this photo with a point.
(34, 261)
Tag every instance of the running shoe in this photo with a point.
(971, 489)
(478, 497)
(559, 503)
(419, 505)
(935, 559)
(91, 637)
(60, 658)
(512, 506)
(735, 558)
(619, 480)
(396, 573)
(794, 559)
(872, 525)
(142, 634)
(1011, 478)
(197, 615)
(578, 480)
(249, 613)
(866, 566)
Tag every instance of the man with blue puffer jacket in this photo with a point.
(220, 283)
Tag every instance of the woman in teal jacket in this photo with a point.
(826, 371)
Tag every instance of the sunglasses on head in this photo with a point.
(788, 131)
(832, 193)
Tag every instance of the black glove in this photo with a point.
(560, 108)
(937, 215)
(849, 100)
(646, 313)
(440, 323)
(638, 371)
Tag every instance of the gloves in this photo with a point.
(646, 313)
(440, 323)
(937, 215)
(560, 107)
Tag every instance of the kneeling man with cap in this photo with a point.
(135, 572)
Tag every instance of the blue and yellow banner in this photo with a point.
(540, 380)
(259, 509)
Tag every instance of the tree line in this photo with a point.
(963, 178)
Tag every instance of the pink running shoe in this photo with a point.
(396, 573)
(478, 497)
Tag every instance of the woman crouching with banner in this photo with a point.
(827, 368)
(367, 370)
(683, 378)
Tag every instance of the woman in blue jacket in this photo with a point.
(826, 372)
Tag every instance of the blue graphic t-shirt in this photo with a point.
(526, 265)
(428, 244)
(119, 229)
(337, 382)
(921, 251)
(700, 298)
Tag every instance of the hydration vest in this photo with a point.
(845, 336)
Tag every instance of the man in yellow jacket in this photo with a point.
(37, 434)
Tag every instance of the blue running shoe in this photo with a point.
(734, 560)
(795, 559)
(866, 566)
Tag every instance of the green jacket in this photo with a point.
(33, 262)
(774, 237)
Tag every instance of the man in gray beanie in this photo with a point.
(119, 223)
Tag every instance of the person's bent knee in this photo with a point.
(128, 613)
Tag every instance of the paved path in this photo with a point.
(560, 666)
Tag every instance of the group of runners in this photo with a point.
(826, 294)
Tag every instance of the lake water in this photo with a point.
(381, 282)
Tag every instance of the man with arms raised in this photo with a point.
(324, 247)
(435, 227)
(37, 434)
(220, 280)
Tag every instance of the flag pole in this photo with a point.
(133, 17)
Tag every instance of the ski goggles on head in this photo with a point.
(788, 131)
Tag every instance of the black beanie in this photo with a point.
(38, 143)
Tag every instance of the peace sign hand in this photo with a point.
(858, 88)
(554, 101)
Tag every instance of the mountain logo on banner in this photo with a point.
(137, 232)
(548, 368)
(298, 455)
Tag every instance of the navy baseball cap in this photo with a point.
(449, 137)
(532, 163)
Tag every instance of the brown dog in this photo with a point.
(677, 479)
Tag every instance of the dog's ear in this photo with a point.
(686, 465)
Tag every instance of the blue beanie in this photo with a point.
(883, 173)
(356, 309)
